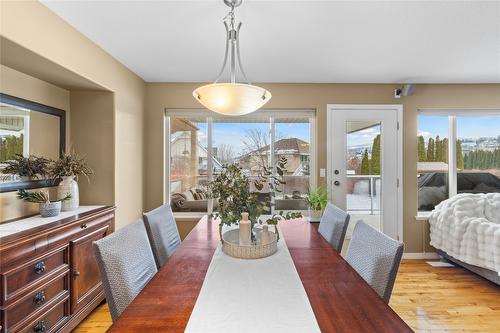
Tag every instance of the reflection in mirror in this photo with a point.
(28, 128)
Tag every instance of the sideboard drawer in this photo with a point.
(23, 277)
(38, 300)
(49, 322)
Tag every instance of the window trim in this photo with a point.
(270, 114)
(452, 115)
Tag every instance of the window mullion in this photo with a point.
(272, 136)
(209, 155)
(166, 165)
(452, 156)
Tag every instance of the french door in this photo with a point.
(365, 163)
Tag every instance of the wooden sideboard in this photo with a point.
(49, 279)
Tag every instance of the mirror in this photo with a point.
(28, 128)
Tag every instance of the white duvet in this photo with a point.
(467, 227)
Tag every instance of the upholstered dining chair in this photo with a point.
(126, 264)
(162, 232)
(375, 257)
(333, 226)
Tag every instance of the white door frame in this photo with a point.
(330, 137)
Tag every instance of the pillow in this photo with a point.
(178, 199)
(189, 195)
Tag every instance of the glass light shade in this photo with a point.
(234, 99)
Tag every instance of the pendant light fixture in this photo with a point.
(232, 98)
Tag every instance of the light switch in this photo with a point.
(322, 173)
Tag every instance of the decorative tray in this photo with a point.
(231, 245)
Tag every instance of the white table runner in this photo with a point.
(259, 295)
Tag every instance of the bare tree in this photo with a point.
(225, 153)
(256, 143)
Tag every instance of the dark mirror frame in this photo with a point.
(37, 107)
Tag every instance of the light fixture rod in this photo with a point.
(232, 47)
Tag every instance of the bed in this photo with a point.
(465, 229)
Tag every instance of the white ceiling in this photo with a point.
(299, 41)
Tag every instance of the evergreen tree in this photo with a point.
(444, 148)
(365, 164)
(439, 150)
(460, 158)
(422, 157)
(430, 150)
(375, 160)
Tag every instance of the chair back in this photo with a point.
(126, 264)
(162, 232)
(333, 226)
(375, 257)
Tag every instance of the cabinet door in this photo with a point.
(85, 276)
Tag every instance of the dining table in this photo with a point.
(340, 299)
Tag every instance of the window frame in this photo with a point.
(267, 114)
(452, 115)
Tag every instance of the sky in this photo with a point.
(362, 138)
(467, 127)
(234, 133)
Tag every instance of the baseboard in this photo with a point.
(421, 255)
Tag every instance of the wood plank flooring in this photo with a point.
(430, 299)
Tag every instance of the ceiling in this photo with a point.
(299, 41)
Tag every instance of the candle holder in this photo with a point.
(231, 245)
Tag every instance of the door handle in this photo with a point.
(336, 183)
(336, 172)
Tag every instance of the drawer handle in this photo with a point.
(40, 326)
(40, 267)
(39, 298)
(83, 226)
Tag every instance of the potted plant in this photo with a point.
(67, 168)
(47, 208)
(27, 168)
(231, 189)
(317, 200)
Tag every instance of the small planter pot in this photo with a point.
(68, 185)
(314, 215)
(49, 209)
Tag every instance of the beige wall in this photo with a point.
(93, 132)
(317, 96)
(44, 33)
(24, 86)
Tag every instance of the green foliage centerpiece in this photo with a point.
(231, 187)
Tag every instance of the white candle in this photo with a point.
(264, 236)
(245, 231)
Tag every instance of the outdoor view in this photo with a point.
(245, 142)
(478, 157)
(363, 171)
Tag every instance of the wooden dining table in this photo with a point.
(341, 300)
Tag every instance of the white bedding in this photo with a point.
(467, 227)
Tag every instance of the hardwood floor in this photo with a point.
(429, 299)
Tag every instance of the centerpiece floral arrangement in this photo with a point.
(231, 187)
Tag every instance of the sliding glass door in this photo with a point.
(199, 143)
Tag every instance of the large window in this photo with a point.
(458, 152)
(199, 143)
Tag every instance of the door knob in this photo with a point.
(76, 273)
(336, 183)
(336, 172)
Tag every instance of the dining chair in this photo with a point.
(333, 226)
(375, 257)
(126, 264)
(162, 232)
